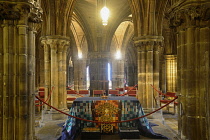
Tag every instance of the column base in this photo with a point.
(182, 137)
(52, 115)
(66, 110)
(55, 115)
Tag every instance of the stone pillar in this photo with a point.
(76, 75)
(131, 74)
(39, 66)
(31, 76)
(62, 48)
(191, 20)
(70, 81)
(46, 77)
(98, 69)
(64, 74)
(17, 72)
(148, 69)
(162, 73)
(117, 74)
(171, 73)
(80, 74)
(55, 77)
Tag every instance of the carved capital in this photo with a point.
(188, 13)
(175, 19)
(148, 43)
(62, 45)
(56, 42)
(52, 43)
(36, 12)
(170, 57)
(147, 48)
(35, 27)
(18, 10)
(9, 11)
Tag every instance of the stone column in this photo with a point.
(117, 74)
(70, 74)
(80, 74)
(131, 74)
(46, 77)
(55, 84)
(171, 73)
(99, 71)
(39, 66)
(191, 20)
(162, 73)
(31, 76)
(17, 62)
(62, 48)
(148, 69)
(76, 73)
(64, 73)
(53, 44)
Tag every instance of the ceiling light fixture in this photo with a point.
(104, 14)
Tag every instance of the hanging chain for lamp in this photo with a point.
(104, 14)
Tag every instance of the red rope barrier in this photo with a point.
(78, 93)
(47, 98)
(70, 86)
(161, 92)
(108, 122)
(158, 90)
(128, 91)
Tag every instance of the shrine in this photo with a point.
(94, 115)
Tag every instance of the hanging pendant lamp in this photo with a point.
(104, 15)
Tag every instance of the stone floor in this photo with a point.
(51, 130)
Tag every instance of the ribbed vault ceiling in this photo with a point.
(86, 14)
